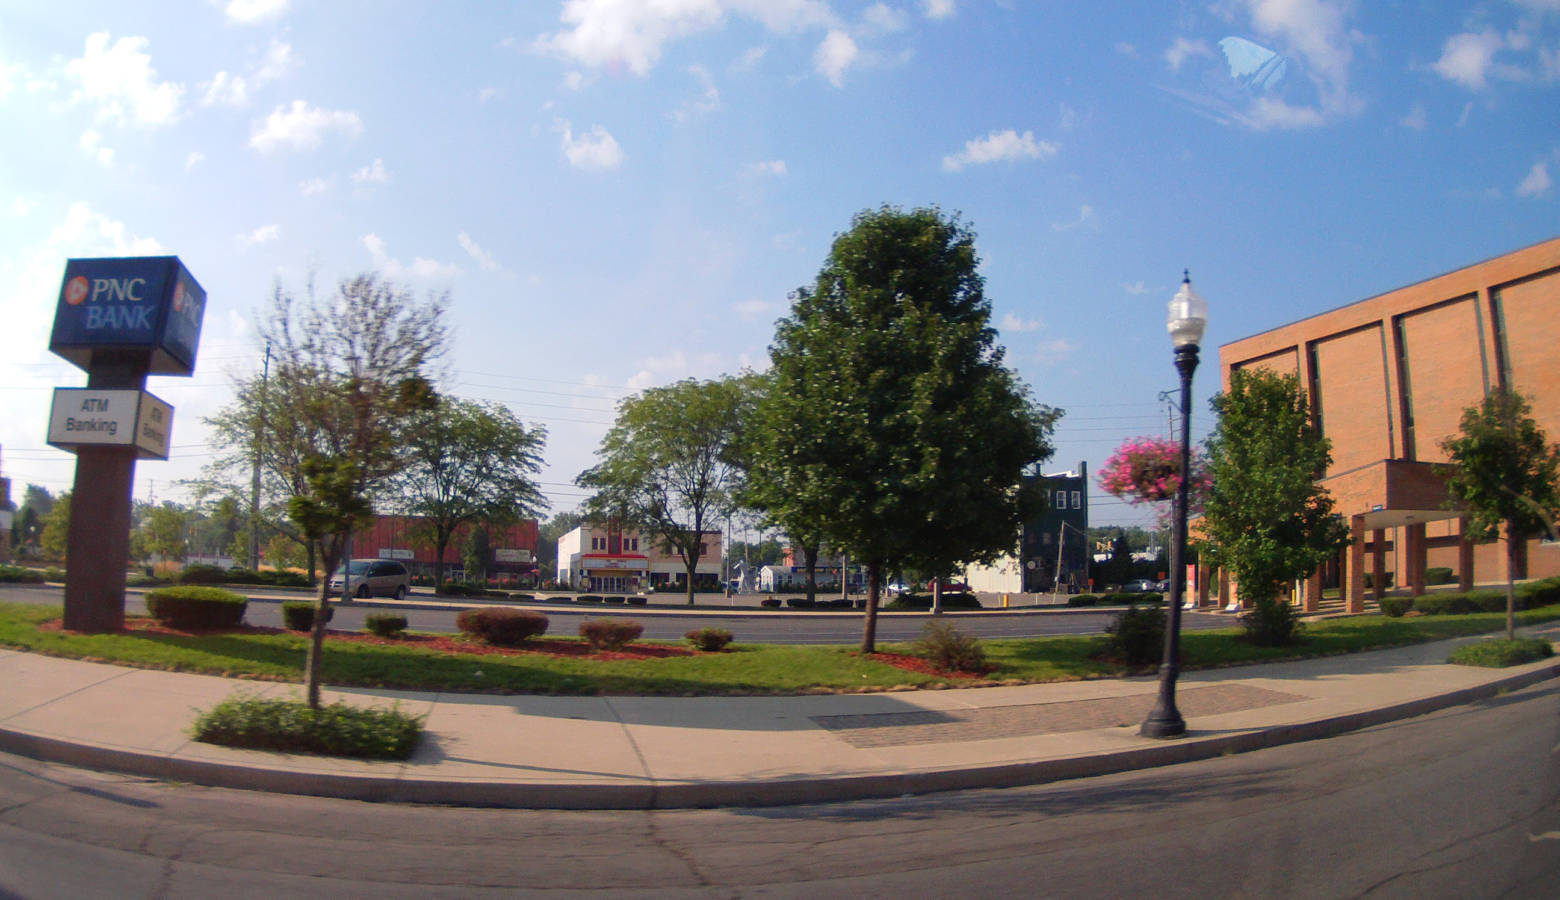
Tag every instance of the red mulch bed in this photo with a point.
(438, 643)
(921, 666)
(450, 643)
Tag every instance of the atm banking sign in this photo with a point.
(147, 302)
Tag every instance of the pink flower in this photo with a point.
(1148, 470)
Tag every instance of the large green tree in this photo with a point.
(1266, 520)
(469, 463)
(896, 427)
(1506, 475)
(670, 464)
(771, 486)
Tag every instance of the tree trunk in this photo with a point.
(441, 542)
(692, 564)
(810, 558)
(1511, 588)
(309, 545)
(312, 658)
(869, 625)
(936, 596)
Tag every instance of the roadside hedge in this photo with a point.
(196, 607)
(916, 602)
(501, 625)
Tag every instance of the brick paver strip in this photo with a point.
(946, 726)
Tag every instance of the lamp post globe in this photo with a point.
(1187, 319)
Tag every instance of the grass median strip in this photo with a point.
(740, 669)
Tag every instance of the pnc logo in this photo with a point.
(178, 297)
(76, 290)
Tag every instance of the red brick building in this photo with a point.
(392, 537)
(1388, 379)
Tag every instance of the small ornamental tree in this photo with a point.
(1506, 475)
(1265, 518)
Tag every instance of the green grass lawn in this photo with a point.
(741, 669)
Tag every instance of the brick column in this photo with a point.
(1416, 558)
(1354, 598)
(1378, 563)
(1313, 592)
(1464, 556)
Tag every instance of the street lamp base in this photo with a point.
(1163, 723)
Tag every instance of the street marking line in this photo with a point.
(1546, 836)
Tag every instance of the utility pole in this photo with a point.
(254, 485)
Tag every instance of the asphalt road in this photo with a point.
(1463, 803)
(777, 627)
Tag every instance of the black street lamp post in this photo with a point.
(1188, 317)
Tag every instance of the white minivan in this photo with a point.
(373, 578)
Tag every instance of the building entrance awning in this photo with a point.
(1391, 493)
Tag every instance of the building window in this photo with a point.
(703, 548)
(1061, 499)
(1077, 499)
(633, 544)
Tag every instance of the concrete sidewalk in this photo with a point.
(663, 752)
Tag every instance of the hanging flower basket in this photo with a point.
(1148, 470)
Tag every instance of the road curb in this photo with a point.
(651, 794)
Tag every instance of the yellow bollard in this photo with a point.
(1004, 601)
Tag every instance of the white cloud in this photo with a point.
(1537, 183)
(1053, 351)
(279, 61)
(1085, 216)
(775, 167)
(373, 172)
(1183, 49)
(21, 207)
(85, 230)
(749, 59)
(1126, 49)
(999, 146)
(937, 9)
(1135, 288)
(92, 142)
(751, 309)
(489, 93)
(313, 186)
(834, 55)
(482, 257)
(301, 127)
(1416, 118)
(8, 74)
(120, 80)
(265, 234)
(658, 369)
(595, 150)
(226, 90)
(1467, 110)
(194, 159)
(1270, 112)
(881, 17)
(248, 12)
(420, 268)
(576, 80)
(1316, 31)
(708, 100)
(1469, 58)
(1015, 324)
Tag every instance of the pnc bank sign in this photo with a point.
(150, 303)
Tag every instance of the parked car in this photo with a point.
(1139, 586)
(373, 578)
(950, 586)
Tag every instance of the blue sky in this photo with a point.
(618, 194)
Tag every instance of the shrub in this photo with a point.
(298, 615)
(458, 589)
(196, 607)
(1439, 575)
(801, 603)
(638, 601)
(951, 600)
(202, 574)
(1395, 606)
(1463, 604)
(950, 649)
(1272, 623)
(54, 574)
(588, 598)
(1539, 593)
(241, 576)
(610, 634)
(1137, 635)
(525, 598)
(500, 625)
(1370, 579)
(770, 603)
(19, 575)
(710, 640)
(1497, 653)
(292, 727)
(1083, 600)
(388, 625)
(617, 600)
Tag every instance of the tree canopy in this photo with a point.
(468, 462)
(892, 424)
(1265, 518)
(669, 464)
(1505, 475)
